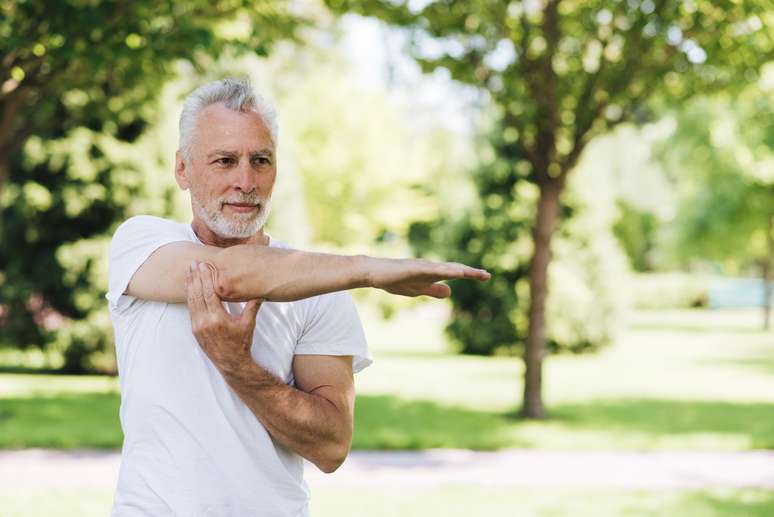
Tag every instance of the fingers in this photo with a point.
(465, 271)
(201, 290)
(250, 311)
(438, 291)
(211, 299)
(477, 274)
(194, 288)
(455, 270)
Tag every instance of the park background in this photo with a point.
(631, 138)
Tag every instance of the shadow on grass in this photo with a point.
(674, 417)
(63, 421)
(387, 422)
(29, 370)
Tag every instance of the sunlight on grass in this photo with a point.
(449, 501)
(463, 501)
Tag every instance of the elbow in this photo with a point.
(229, 280)
(225, 286)
(330, 466)
(333, 458)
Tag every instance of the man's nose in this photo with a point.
(244, 179)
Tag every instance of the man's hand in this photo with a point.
(415, 277)
(225, 338)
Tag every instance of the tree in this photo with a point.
(560, 72)
(586, 277)
(724, 152)
(78, 82)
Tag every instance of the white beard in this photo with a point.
(239, 226)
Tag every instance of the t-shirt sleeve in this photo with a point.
(133, 242)
(333, 328)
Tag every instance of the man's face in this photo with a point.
(232, 171)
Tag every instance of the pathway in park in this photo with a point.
(47, 469)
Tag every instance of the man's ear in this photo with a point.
(181, 174)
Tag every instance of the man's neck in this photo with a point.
(210, 238)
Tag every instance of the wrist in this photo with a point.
(362, 271)
(238, 370)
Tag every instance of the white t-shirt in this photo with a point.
(191, 446)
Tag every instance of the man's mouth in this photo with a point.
(242, 207)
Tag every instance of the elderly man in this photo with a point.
(220, 401)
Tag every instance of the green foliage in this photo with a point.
(100, 64)
(562, 72)
(60, 192)
(486, 317)
(720, 156)
(356, 177)
(636, 230)
(80, 83)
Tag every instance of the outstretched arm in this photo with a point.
(250, 271)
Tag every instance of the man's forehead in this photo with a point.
(219, 127)
(222, 119)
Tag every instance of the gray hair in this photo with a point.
(236, 94)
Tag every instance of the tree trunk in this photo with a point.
(545, 223)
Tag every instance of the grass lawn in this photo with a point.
(451, 501)
(676, 380)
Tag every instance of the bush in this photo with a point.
(588, 289)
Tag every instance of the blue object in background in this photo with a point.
(736, 293)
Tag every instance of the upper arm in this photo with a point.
(329, 376)
(162, 276)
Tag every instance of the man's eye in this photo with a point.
(224, 161)
(262, 160)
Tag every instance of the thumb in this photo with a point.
(250, 310)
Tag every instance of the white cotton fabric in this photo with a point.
(191, 446)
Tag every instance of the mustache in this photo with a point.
(248, 199)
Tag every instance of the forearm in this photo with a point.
(252, 271)
(308, 424)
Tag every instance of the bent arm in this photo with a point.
(315, 420)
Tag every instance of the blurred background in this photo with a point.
(610, 162)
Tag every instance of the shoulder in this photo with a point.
(146, 232)
(141, 225)
(147, 221)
